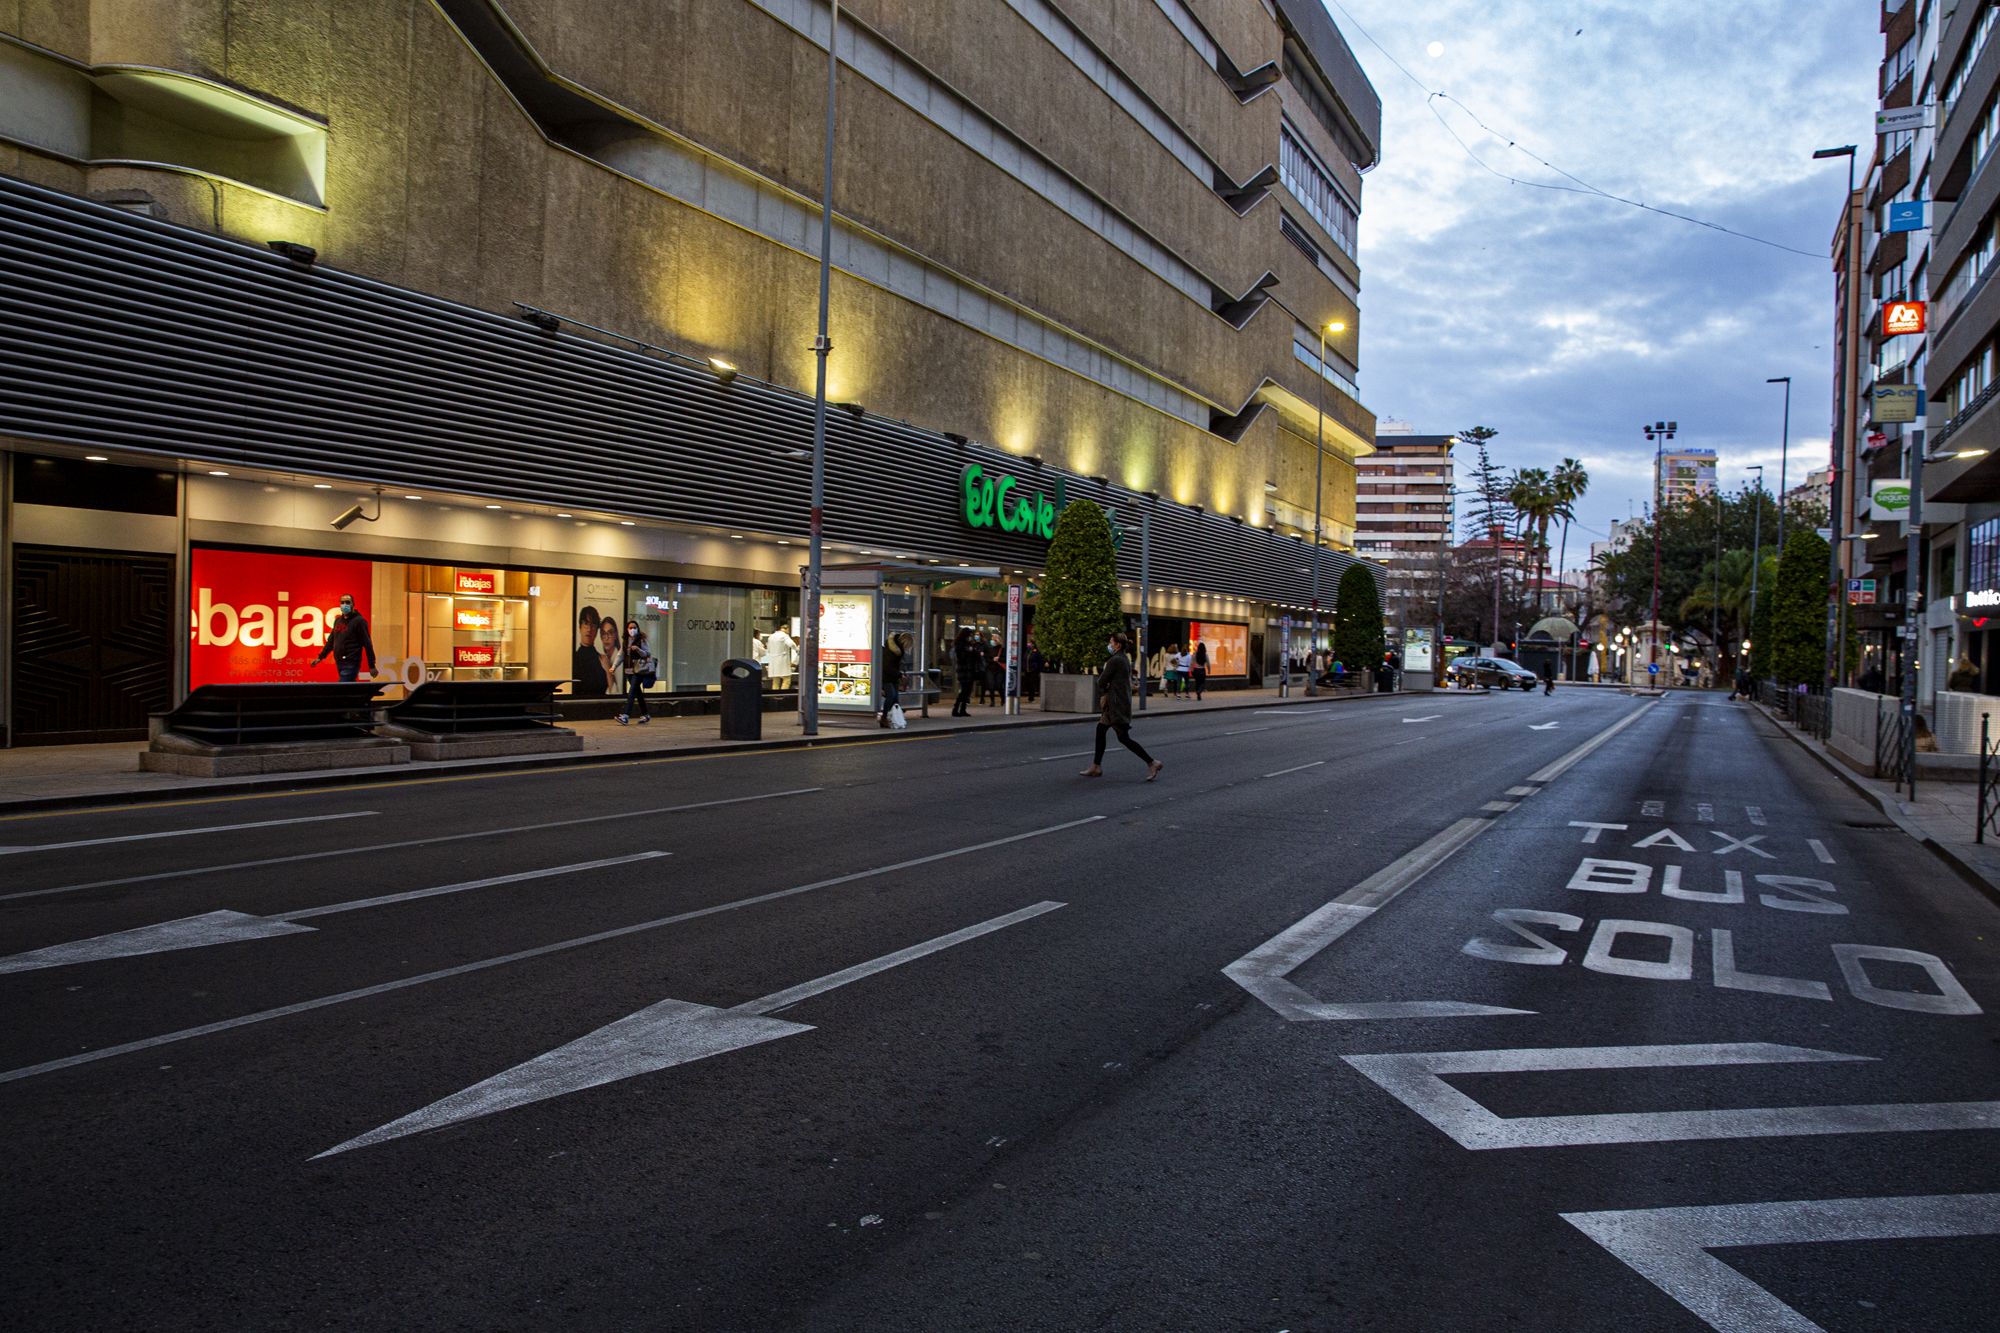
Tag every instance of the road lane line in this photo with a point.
(660, 1036)
(1265, 970)
(180, 833)
(1246, 731)
(1820, 851)
(539, 951)
(1756, 814)
(196, 932)
(1300, 769)
(1669, 1247)
(411, 842)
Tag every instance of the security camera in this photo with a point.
(352, 512)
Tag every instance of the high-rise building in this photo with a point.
(1403, 516)
(1684, 474)
(540, 280)
(1954, 360)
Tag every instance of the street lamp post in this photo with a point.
(809, 617)
(1784, 448)
(1319, 464)
(1756, 545)
(1659, 432)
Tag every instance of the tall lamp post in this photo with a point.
(1659, 432)
(1756, 547)
(1319, 465)
(1842, 425)
(809, 619)
(1784, 447)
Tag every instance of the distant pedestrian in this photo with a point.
(349, 642)
(995, 685)
(1170, 671)
(641, 672)
(781, 658)
(970, 664)
(1031, 679)
(1114, 709)
(1184, 670)
(1198, 669)
(1742, 690)
(1548, 677)
(892, 677)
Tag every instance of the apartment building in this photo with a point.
(535, 283)
(1403, 517)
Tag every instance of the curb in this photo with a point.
(485, 768)
(1943, 851)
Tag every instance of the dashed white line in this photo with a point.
(1820, 851)
(181, 833)
(1299, 769)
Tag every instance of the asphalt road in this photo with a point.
(1457, 1012)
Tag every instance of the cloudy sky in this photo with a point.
(1565, 320)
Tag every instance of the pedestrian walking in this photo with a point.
(892, 679)
(1173, 671)
(1198, 669)
(1031, 679)
(349, 642)
(970, 664)
(1548, 677)
(641, 673)
(1114, 709)
(1742, 690)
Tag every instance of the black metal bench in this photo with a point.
(475, 707)
(265, 714)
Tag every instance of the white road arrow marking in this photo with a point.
(1546, 726)
(1417, 1081)
(1428, 717)
(1669, 1246)
(660, 1036)
(182, 832)
(196, 932)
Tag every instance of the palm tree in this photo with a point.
(1533, 496)
(1725, 588)
(1570, 481)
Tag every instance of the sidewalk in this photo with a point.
(54, 776)
(1942, 817)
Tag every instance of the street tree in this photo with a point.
(1357, 619)
(1078, 609)
(1798, 611)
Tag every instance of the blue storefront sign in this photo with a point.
(1908, 216)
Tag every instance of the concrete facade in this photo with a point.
(1061, 227)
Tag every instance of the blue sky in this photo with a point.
(1566, 320)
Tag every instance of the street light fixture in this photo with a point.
(1784, 448)
(822, 345)
(1659, 432)
(1319, 464)
(1756, 543)
(1843, 428)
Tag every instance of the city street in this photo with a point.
(1425, 1012)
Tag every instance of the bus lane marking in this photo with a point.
(1418, 1081)
(1669, 1247)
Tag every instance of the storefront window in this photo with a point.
(1228, 647)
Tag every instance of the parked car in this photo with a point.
(1498, 672)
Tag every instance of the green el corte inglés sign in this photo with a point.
(997, 500)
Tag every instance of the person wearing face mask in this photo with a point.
(1114, 709)
(349, 642)
(641, 671)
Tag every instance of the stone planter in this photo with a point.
(1068, 694)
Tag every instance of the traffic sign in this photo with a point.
(1861, 592)
(1652, 668)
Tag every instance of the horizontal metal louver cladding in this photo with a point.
(124, 332)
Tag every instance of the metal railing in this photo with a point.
(1814, 715)
(1892, 751)
(1989, 782)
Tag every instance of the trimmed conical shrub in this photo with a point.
(1078, 609)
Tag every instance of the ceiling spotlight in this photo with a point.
(562, 515)
(292, 250)
(217, 472)
(413, 497)
(95, 458)
(627, 523)
(492, 506)
(353, 512)
(724, 372)
(322, 485)
(542, 320)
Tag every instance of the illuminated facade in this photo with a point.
(1080, 244)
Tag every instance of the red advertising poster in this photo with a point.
(470, 617)
(478, 655)
(473, 580)
(256, 616)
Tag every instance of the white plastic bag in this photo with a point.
(896, 719)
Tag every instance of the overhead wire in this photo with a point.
(1433, 96)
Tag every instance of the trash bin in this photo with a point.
(742, 700)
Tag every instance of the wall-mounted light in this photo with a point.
(1036, 459)
(355, 511)
(956, 438)
(855, 410)
(292, 250)
(542, 320)
(724, 372)
(1101, 481)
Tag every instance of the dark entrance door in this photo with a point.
(92, 644)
